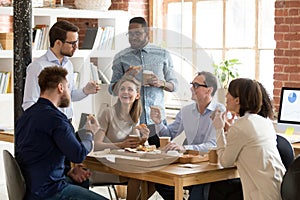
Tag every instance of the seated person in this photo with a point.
(44, 137)
(195, 121)
(117, 123)
(250, 142)
(232, 189)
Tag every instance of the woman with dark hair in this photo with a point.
(250, 143)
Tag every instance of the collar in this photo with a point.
(47, 102)
(212, 106)
(52, 58)
(145, 49)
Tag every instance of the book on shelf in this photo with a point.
(95, 74)
(40, 36)
(5, 82)
(89, 38)
(99, 38)
(76, 76)
(107, 38)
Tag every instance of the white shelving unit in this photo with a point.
(81, 59)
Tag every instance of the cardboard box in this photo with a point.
(7, 41)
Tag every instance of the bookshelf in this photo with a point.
(82, 58)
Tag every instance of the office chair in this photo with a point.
(15, 183)
(286, 151)
(290, 187)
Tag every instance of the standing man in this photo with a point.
(63, 37)
(145, 56)
(45, 137)
(63, 43)
(195, 120)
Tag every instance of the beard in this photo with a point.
(69, 54)
(64, 101)
(137, 43)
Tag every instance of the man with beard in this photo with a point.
(139, 58)
(45, 136)
(63, 37)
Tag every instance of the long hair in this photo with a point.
(267, 105)
(249, 94)
(136, 108)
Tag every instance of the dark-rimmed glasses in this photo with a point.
(135, 34)
(196, 85)
(73, 43)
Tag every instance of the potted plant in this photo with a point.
(226, 71)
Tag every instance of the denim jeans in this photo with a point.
(74, 192)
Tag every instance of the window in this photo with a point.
(208, 31)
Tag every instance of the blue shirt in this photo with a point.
(44, 138)
(32, 89)
(199, 130)
(151, 58)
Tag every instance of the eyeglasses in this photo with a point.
(73, 43)
(135, 34)
(196, 85)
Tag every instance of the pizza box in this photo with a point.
(139, 159)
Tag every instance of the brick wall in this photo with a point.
(6, 21)
(287, 52)
(134, 7)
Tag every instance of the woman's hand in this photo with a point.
(130, 143)
(219, 120)
(144, 132)
(229, 121)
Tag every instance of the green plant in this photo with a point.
(226, 71)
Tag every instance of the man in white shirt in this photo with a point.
(63, 43)
(195, 121)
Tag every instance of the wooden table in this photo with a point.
(173, 175)
(7, 136)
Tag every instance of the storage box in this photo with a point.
(7, 41)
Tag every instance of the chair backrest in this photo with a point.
(286, 151)
(290, 187)
(15, 183)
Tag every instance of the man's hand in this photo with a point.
(172, 146)
(155, 114)
(133, 70)
(91, 88)
(155, 82)
(92, 124)
(78, 173)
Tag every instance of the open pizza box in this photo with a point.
(138, 159)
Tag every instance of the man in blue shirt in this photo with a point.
(45, 137)
(195, 120)
(63, 37)
(144, 56)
